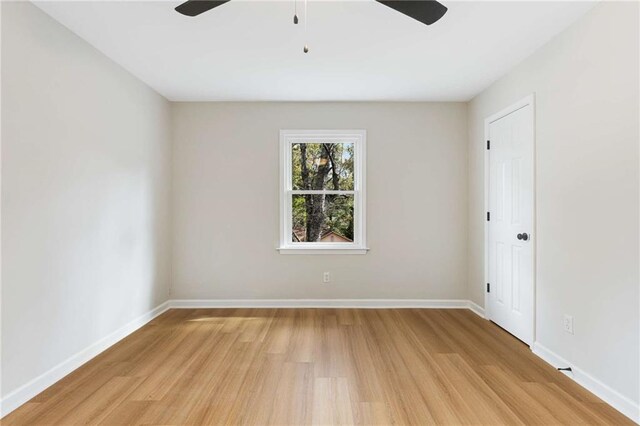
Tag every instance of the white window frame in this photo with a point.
(287, 139)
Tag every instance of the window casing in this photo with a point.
(318, 205)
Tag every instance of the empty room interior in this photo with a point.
(293, 212)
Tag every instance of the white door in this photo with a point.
(510, 222)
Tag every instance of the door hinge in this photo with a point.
(488, 144)
(488, 288)
(488, 216)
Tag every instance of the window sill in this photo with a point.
(320, 250)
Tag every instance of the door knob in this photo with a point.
(524, 236)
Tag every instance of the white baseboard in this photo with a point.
(27, 391)
(321, 303)
(477, 309)
(613, 398)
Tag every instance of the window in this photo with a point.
(322, 192)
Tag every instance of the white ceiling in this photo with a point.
(360, 50)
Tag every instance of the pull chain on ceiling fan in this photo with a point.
(306, 19)
(425, 11)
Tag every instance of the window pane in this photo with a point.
(322, 218)
(318, 166)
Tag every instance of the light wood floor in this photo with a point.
(316, 366)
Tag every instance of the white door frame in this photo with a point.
(527, 101)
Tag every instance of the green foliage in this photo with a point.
(318, 166)
(337, 214)
(317, 155)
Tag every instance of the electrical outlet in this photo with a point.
(326, 277)
(567, 323)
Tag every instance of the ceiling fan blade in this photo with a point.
(425, 11)
(196, 7)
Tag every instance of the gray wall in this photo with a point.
(85, 195)
(586, 87)
(226, 208)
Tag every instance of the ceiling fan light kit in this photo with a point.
(425, 11)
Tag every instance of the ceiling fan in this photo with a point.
(425, 11)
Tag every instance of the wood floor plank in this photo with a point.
(514, 395)
(316, 366)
